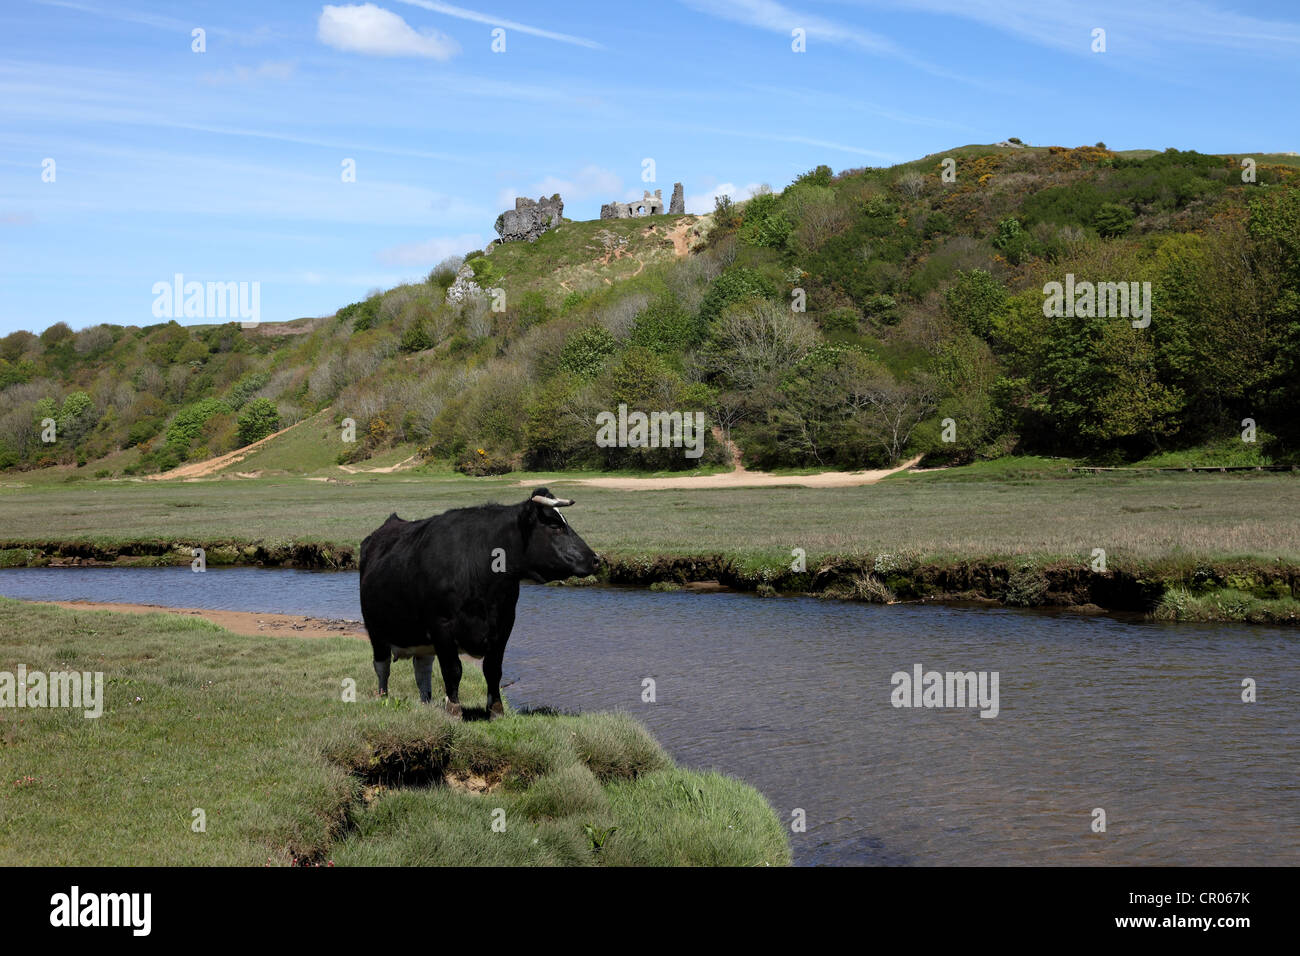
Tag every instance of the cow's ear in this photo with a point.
(528, 516)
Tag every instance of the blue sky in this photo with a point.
(226, 165)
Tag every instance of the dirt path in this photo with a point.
(201, 469)
(741, 477)
(241, 622)
(385, 470)
(680, 234)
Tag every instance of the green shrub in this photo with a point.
(585, 352)
(416, 338)
(1112, 219)
(258, 419)
(734, 285)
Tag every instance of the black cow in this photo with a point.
(449, 584)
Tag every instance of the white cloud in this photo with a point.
(429, 252)
(700, 203)
(590, 182)
(379, 32)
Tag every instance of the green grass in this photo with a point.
(1226, 604)
(256, 733)
(1032, 510)
(1231, 452)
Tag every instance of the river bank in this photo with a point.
(1241, 590)
(217, 748)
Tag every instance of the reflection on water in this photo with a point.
(793, 695)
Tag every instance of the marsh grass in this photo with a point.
(256, 733)
(1226, 604)
(949, 514)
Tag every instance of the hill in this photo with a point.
(849, 321)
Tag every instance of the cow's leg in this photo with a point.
(449, 661)
(423, 665)
(492, 673)
(383, 661)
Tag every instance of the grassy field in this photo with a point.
(1008, 509)
(255, 733)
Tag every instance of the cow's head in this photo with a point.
(553, 550)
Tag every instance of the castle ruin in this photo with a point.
(648, 205)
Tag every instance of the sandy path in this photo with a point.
(740, 478)
(241, 622)
(385, 470)
(201, 469)
(680, 235)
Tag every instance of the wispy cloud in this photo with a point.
(701, 203)
(429, 252)
(126, 15)
(1135, 29)
(778, 18)
(589, 182)
(366, 28)
(804, 141)
(461, 13)
(242, 75)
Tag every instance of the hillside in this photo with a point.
(922, 332)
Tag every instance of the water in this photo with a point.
(1143, 720)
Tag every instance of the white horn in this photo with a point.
(553, 502)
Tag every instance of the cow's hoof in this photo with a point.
(452, 707)
(496, 711)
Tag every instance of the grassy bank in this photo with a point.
(1021, 532)
(256, 733)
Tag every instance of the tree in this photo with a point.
(756, 343)
(258, 419)
(975, 300)
(1113, 219)
(76, 418)
(891, 408)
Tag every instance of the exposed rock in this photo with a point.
(648, 206)
(463, 287)
(529, 219)
(677, 205)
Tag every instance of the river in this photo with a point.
(1143, 720)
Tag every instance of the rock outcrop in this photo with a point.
(463, 288)
(529, 219)
(677, 205)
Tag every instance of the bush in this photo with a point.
(734, 285)
(245, 388)
(665, 327)
(189, 421)
(1012, 239)
(975, 300)
(1112, 219)
(416, 338)
(585, 352)
(258, 419)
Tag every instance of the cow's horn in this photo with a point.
(553, 502)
